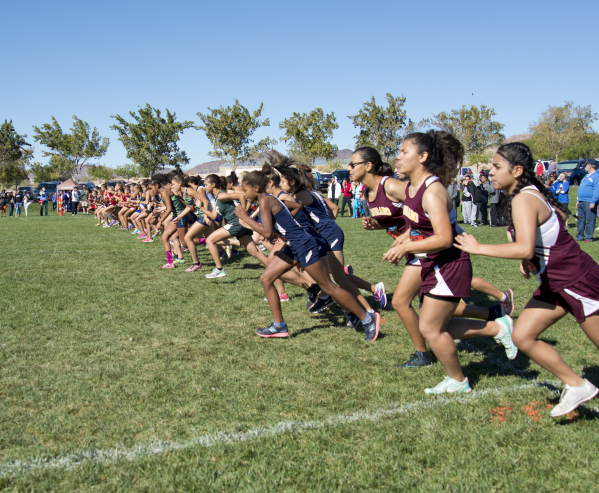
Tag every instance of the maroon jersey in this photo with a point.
(418, 221)
(387, 213)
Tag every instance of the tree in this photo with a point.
(230, 131)
(309, 134)
(128, 170)
(562, 127)
(70, 152)
(474, 127)
(151, 140)
(14, 155)
(381, 127)
(100, 172)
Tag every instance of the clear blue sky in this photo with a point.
(94, 59)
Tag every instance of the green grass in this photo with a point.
(101, 351)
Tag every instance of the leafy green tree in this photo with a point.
(151, 139)
(560, 128)
(309, 135)
(230, 131)
(100, 172)
(15, 154)
(475, 128)
(128, 170)
(381, 127)
(70, 152)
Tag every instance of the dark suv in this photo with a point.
(341, 174)
(574, 169)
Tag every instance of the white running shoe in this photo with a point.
(572, 397)
(216, 273)
(505, 336)
(451, 386)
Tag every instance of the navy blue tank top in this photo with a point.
(289, 228)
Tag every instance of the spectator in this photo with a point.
(467, 192)
(477, 198)
(3, 203)
(356, 190)
(74, 201)
(18, 202)
(539, 170)
(560, 191)
(483, 214)
(27, 199)
(551, 180)
(454, 193)
(54, 202)
(66, 198)
(346, 189)
(495, 204)
(84, 200)
(588, 195)
(11, 204)
(43, 201)
(552, 167)
(334, 190)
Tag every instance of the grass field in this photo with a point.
(118, 376)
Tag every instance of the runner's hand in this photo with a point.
(467, 243)
(394, 254)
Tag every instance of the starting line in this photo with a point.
(110, 456)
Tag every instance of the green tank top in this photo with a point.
(190, 202)
(227, 209)
(177, 206)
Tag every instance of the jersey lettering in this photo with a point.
(410, 214)
(380, 211)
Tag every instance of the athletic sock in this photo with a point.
(371, 311)
(503, 298)
(169, 257)
(280, 326)
(325, 297)
(367, 320)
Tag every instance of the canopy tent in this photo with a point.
(68, 185)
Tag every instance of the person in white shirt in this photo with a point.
(74, 201)
(334, 190)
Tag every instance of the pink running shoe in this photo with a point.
(167, 266)
(184, 249)
(284, 297)
(141, 237)
(148, 240)
(193, 268)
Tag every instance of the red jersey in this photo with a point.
(387, 213)
(417, 219)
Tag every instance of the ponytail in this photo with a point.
(305, 176)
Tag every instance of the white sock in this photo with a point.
(503, 298)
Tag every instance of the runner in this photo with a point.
(446, 273)
(302, 249)
(569, 277)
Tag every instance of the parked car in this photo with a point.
(30, 190)
(87, 184)
(341, 174)
(50, 187)
(321, 180)
(574, 169)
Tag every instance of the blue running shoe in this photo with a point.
(372, 329)
(273, 331)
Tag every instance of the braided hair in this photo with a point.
(519, 154)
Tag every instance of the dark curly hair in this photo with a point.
(445, 153)
(519, 154)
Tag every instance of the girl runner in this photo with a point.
(303, 249)
(446, 272)
(386, 211)
(173, 207)
(569, 277)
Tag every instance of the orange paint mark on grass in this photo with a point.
(499, 414)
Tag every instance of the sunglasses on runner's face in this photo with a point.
(353, 165)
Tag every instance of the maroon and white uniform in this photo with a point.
(569, 276)
(447, 273)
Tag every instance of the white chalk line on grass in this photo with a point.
(109, 456)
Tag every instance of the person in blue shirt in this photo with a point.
(588, 195)
(560, 189)
(43, 201)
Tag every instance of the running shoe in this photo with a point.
(222, 254)
(351, 321)
(216, 273)
(141, 237)
(282, 297)
(496, 311)
(451, 386)
(372, 329)
(508, 304)
(379, 294)
(178, 260)
(148, 240)
(572, 397)
(321, 305)
(506, 325)
(234, 252)
(135, 231)
(419, 360)
(228, 251)
(184, 249)
(167, 266)
(349, 270)
(193, 268)
(273, 331)
(312, 293)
